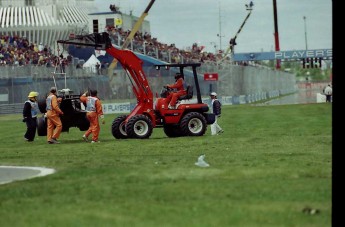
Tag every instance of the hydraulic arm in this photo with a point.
(130, 63)
(232, 42)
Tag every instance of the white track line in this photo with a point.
(10, 174)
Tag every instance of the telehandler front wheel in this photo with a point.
(139, 127)
(193, 124)
(118, 128)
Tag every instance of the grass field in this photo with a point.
(271, 163)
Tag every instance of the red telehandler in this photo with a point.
(188, 119)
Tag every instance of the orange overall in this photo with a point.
(54, 125)
(94, 109)
(179, 86)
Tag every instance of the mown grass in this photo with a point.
(270, 164)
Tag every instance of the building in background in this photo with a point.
(98, 21)
(46, 21)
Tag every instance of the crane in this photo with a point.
(129, 38)
(230, 49)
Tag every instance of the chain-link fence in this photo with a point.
(17, 82)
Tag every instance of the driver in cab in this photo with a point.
(179, 88)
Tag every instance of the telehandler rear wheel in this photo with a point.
(193, 124)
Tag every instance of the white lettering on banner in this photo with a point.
(329, 52)
(318, 53)
(303, 54)
(295, 55)
(111, 108)
(310, 53)
(278, 54)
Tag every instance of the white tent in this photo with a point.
(90, 64)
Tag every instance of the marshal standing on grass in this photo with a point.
(328, 92)
(54, 124)
(94, 110)
(216, 109)
(30, 111)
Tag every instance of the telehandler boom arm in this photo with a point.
(130, 63)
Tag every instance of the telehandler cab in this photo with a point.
(188, 119)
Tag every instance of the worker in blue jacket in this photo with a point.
(30, 112)
(216, 109)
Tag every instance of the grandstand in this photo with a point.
(46, 21)
(27, 65)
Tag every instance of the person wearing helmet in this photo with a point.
(94, 110)
(216, 109)
(180, 88)
(54, 124)
(30, 112)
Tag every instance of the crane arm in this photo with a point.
(129, 61)
(137, 25)
(129, 38)
(232, 42)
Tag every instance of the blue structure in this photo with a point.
(148, 62)
(86, 52)
(284, 55)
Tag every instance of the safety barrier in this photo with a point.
(127, 107)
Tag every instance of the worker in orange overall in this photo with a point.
(94, 110)
(180, 89)
(54, 125)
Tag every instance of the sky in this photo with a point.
(184, 22)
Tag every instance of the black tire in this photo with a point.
(118, 127)
(42, 105)
(193, 124)
(172, 130)
(41, 126)
(139, 127)
(83, 123)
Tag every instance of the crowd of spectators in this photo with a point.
(146, 44)
(18, 51)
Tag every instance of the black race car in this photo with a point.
(74, 113)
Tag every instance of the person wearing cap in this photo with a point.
(180, 88)
(94, 110)
(216, 109)
(30, 112)
(54, 124)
